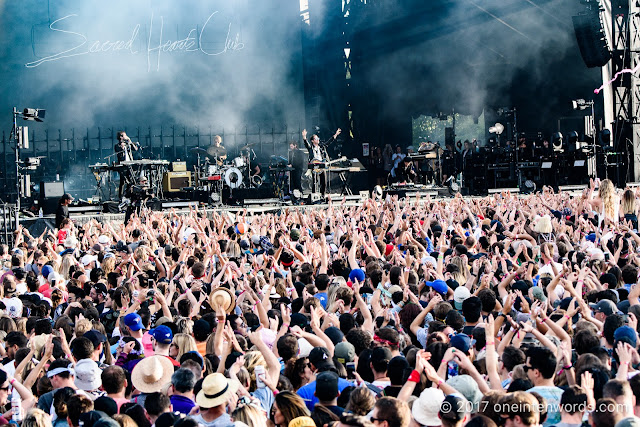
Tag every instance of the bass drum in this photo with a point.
(233, 178)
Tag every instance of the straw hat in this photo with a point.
(224, 298)
(216, 389)
(151, 373)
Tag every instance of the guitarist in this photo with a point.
(318, 155)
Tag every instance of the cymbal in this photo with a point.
(214, 151)
(246, 147)
(198, 150)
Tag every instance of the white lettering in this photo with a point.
(191, 43)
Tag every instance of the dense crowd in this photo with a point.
(504, 310)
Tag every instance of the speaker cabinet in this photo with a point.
(175, 181)
(50, 194)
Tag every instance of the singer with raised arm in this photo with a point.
(124, 150)
(125, 147)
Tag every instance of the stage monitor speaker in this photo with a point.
(591, 38)
(175, 181)
(51, 189)
(50, 194)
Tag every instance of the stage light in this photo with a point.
(498, 128)
(33, 114)
(377, 192)
(581, 104)
(556, 139)
(529, 186)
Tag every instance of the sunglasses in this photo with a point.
(5, 388)
(528, 368)
(376, 420)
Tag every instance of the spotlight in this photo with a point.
(498, 128)
(377, 192)
(297, 194)
(556, 140)
(33, 114)
(528, 186)
(581, 104)
(573, 140)
(452, 185)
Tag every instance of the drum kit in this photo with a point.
(233, 173)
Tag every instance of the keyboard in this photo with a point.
(144, 162)
(425, 156)
(350, 169)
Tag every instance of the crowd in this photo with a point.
(504, 310)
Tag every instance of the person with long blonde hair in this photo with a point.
(607, 203)
(250, 413)
(181, 344)
(251, 360)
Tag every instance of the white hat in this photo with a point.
(459, 295)
(13, 307)
(104, 239)
(88, 375)
(88, 259)
(425, 409)
(431, 260)
(216, 389)
(70, 242)
(152, 373)
(304, 347)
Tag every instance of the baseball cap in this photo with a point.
(326, 386)
(626, 334)
(453, 408)
(459, 295)
(605, 306)
(462, 342)
(67, 196)
(162, 334)
(335, 334)
(95, 336)
(88, 259)
(357, 274)
(440, 286)
(100, 288)
(320, 358)
(133, 321)
(538, 293)
(381, 354)
(345, 352)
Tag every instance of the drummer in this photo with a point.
(217, 151)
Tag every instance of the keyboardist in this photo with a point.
(124, 150)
